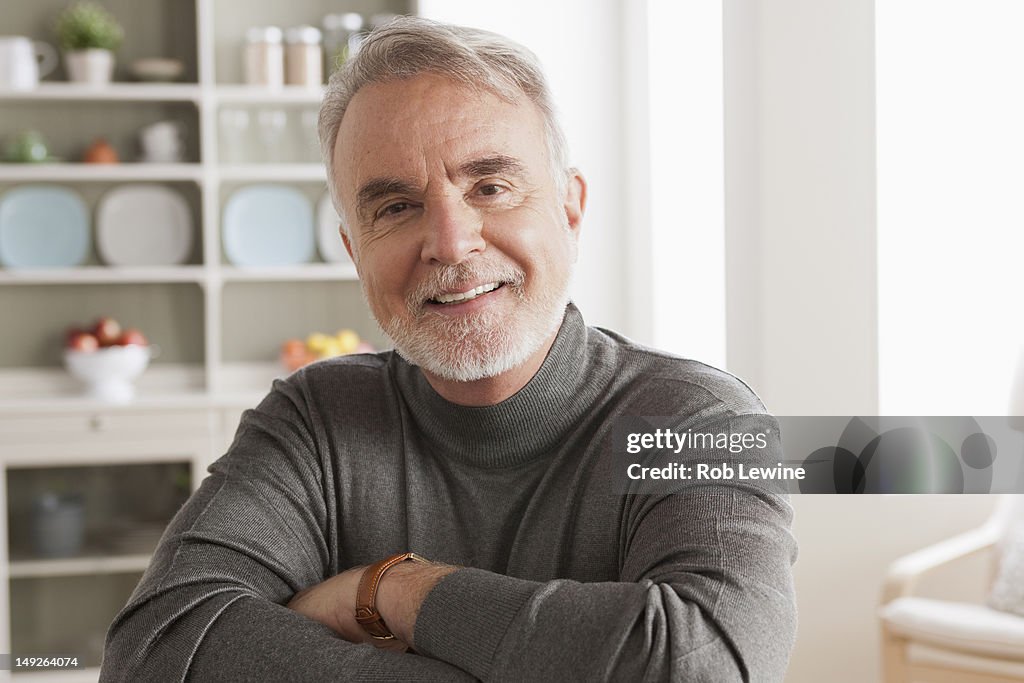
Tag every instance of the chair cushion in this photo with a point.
(1008, 589)
(963, 626)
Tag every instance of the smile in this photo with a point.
(459, 297)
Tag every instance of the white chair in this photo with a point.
(938, 641)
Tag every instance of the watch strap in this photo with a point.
(366, 595)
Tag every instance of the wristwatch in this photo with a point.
(366, 595)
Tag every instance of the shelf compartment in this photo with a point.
(170, 314)
(299, 309)
(120, 515)
(69, 129)
(68, 615)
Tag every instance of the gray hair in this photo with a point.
(481, 60)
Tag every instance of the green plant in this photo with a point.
(85, 25)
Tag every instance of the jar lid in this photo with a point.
(264, 34)
(309, 35)
(350, 21)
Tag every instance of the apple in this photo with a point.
(73, 332)
(132, 336)
(82, 341)
(107, 331)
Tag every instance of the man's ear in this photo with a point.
(575, 200)
(347, 242)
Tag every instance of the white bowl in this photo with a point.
(158, 69)
(108, 373)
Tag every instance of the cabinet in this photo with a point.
(219, 326)
(123, 472)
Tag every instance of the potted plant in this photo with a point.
(89, 35)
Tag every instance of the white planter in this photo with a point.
(93, 66)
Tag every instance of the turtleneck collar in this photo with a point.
(528, 424)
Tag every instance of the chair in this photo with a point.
(938, 641)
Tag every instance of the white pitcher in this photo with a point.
(23, 62)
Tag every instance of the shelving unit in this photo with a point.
(218, 325)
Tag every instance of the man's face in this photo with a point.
(463, 243)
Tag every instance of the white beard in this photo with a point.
(482, 344)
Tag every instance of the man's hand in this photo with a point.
(399, 596)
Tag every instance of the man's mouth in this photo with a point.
(460, 297)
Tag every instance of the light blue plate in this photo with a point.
(43, 226)
(268, 225)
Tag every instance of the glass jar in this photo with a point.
(264, 56)
(303, 57)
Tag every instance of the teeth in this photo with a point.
(466, 296)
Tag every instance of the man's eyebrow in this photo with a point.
(497, 164)
(376, 188)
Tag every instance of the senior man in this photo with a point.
(483, 444)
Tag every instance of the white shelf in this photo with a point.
(66, 676)
(101, 275)
(78, 172)
(301, 273)
(274, 172)
(114, 92)
(76, 566)
(247, 94)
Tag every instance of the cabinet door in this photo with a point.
(81, 519)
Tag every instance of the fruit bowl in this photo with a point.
(109, 373)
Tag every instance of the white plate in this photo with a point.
(328, 241)
(43, 226)
(268, 225)
(143, 225)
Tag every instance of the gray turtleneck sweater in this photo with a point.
(354, 459)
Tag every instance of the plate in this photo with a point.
(143, 225)
(328, 241)
(268, 225)
(43, 226)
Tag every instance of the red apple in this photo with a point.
(83, 341)
(71, 333)
(107, 331)
(132, 336)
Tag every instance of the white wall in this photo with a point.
(846, 543)
(579, 44)
(800, 203)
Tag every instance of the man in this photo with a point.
(483, 444)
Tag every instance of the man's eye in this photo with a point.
(491, 190)
(393, 209)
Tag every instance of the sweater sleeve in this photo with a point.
(210, 606)
(704, 594)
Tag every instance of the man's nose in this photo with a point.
(454, 232)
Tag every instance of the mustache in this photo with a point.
(457, 276)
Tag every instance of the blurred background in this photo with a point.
(819, 196)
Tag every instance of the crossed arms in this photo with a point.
(714, 604)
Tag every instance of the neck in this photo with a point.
(490, 391)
